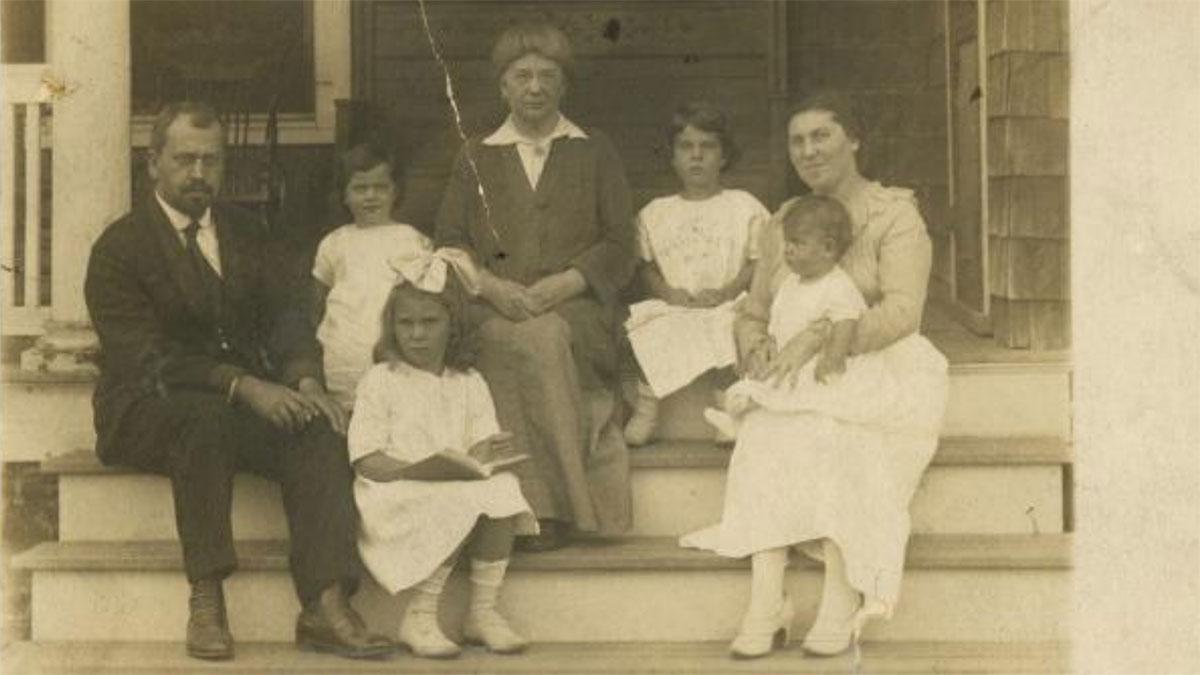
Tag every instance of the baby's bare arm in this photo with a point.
(833, 357)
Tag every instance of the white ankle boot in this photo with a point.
(837, 624)
(419, 630)
(726, 425)
(644, 420)
(760, 635)
(485, 625)
(490, 629)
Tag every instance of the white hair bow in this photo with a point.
(426, 269)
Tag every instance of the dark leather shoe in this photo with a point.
(552, 537)
(208, 629)
(331, 625)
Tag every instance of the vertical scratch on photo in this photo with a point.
(458, 123)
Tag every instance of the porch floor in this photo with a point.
(961, 346)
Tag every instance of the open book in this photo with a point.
(448, 465)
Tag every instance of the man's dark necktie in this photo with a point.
(205, 274)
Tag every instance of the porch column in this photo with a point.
(89, 58)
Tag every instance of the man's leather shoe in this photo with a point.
(331, 625)
(208, 629)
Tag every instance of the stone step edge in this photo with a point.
(694, 454)
(964, 357)
(925, 551)
(551, 657)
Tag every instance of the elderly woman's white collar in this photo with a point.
(507, 134)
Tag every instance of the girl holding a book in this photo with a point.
(427, 450)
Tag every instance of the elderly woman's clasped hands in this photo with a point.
(517, 302)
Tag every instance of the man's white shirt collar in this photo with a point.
(507, 134)
(206, 237)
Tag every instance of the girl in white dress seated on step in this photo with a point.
(421, 399)
(698, 249)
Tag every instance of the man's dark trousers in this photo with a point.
(199, 442)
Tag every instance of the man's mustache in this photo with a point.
(198, 187)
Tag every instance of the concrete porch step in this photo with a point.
(700, 657)
(998, 393)
(994, 392)
(957, 587)
(975, 486)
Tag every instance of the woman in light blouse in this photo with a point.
(834, 490)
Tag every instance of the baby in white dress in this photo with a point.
(817, 232)
(351, 273)
(419, 400)
(698, 249)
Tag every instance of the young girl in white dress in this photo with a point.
(351, 274)
(423, 398)
(817, 232)
(698, 249)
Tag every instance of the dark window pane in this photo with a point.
(24, 36)
(242, 56)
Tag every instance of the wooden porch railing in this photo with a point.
(25, 264)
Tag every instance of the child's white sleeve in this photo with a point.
(844, 299)
(368, 430)
(644, 250)
(482, 413)
(325, 263)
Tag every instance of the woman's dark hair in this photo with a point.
(460, 347)
(821, 213)
(532, 37)
(839, 105)
(705, 117)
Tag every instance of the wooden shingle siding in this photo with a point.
(1029, 215)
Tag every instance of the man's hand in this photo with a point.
(508, 297)
(317, 396)
(380, 468)
(283, 407)
(552, 290)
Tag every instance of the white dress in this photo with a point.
(409, 528)
(862, 394)
(352, 262)
(838, 461)
(697, 245)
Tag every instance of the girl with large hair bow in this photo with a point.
(422, 398)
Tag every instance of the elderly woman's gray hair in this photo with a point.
(532, 37)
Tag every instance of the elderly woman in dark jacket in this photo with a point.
(543, 206)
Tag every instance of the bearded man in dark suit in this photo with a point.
(209, 367)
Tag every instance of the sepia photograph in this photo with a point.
(599, 336)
